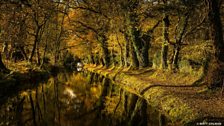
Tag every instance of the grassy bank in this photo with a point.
(173, 94)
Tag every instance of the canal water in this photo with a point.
(77, 99)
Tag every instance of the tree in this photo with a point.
(28, 24)
(215, 72)
(164, 51)
(5, 34)
(183, 14)
(133, 13)
(92, 18)
(39, 16)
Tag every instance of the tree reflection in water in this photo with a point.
(80, 99)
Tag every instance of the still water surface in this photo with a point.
(76, 99)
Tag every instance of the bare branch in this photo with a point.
(154, 27)
(68, 47)
(195, 27)
(88, 27)
(91, 10)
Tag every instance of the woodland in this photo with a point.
(173, 37)
(176, 43)
(170, 35)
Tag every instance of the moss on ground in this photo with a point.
(170, 93)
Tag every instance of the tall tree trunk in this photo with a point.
(112, 58)
(23, 52)
(215, 68)
(104, 46)
(216, 29)
(22, 38)
(145, 40)
(43, 57)
(38, 53)
(126, 53)
(121, 52)
(133, 35)
(134, 59)
(180, 33)
(97, 59)
(59, 35)
(91, 58)
(130, 49)
(164, 51)
(36, 40)
(139, 40)
(176, 57)
(137, 44)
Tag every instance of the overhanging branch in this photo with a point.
(68, 47)
(87, 26)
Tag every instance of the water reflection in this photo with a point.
(75, 99)
(68, 91)
(79, 66)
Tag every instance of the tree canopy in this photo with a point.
(133, 34)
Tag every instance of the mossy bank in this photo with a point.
(182, 104)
